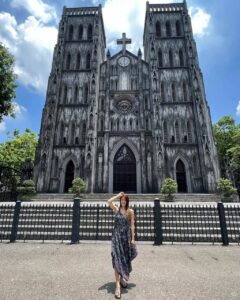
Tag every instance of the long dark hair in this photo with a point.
(127, 205)
(127, 201)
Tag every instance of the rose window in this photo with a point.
(124, 106)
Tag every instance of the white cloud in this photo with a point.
(238, 109)
(36, 8)
(200, 21)
(3, 126)
(19, 110)
(131, 20)
(32, 44)
(32, 41)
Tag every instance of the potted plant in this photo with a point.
(26, 190)
(169, 187)
(226, 190)
(78, 187)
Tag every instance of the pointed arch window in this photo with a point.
(168, 29)
(124, 124)
(78, 64)
(70, 33)
(160, 58)
(76, 94)
(170, 58)
(69, 175)
(181, 58)
(181, 176)
(158, 29)
(88, 61)
(72, 133)
(117, 124)
(177, 132)
(178, 28)
(173, 93)
(130, 124)
(90, 32)
(68, 61)
(80, 32)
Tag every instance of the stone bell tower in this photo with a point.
(67, 141)
(185, 148)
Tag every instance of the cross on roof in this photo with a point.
(123, 41)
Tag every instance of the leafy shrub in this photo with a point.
(169, 186)
(225, 187)
(78, 187)
(27, 189)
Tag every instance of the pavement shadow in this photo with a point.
(110, 287)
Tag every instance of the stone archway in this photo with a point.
(124, 170)
(181, 177)
(69, 176)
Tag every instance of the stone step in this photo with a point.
(102, 197)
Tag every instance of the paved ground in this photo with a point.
(52, 270)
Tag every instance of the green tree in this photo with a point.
(7, 83)
(18, 148)
(227, 139)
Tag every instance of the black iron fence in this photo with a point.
(11, 178)
(157, 222)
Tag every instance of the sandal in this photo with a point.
(118, 294)
(123, 285)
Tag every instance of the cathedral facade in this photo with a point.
(125, 122)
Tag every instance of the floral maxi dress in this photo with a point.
(122, 251)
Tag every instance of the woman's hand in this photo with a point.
(120, 194)
(133, 243)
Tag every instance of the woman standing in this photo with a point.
(123, 247)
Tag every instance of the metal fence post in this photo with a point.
(223, 224)
(75, 221)
(97, 227)
(157, 222)
(14, 229)
(135, 223)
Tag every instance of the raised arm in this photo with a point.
(110, 201)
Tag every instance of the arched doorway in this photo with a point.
(181, 177)
(124, 170)
(69, 176)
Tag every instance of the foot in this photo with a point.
(118, 293)
(123, 282)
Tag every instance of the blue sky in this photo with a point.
(29, 29)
